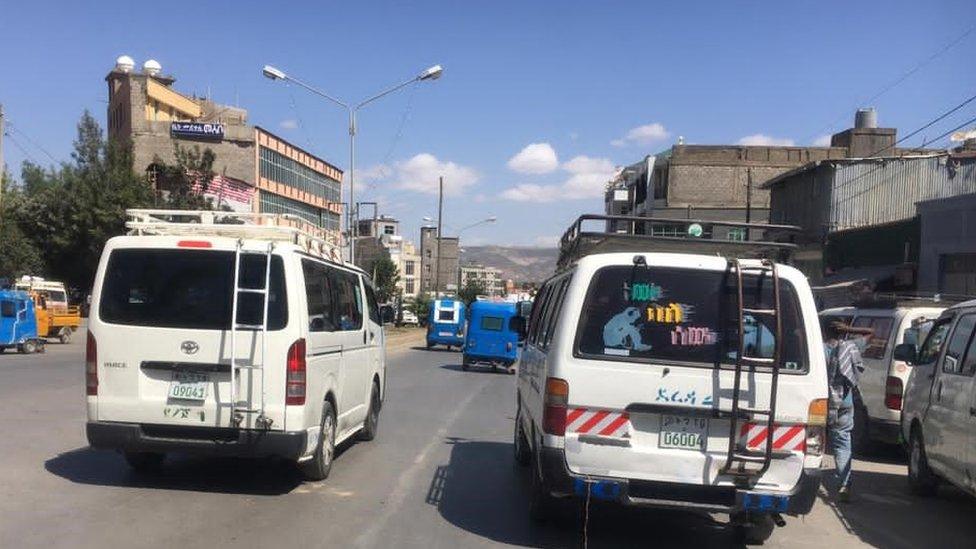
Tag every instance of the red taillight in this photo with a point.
(554, 412)
(91, 366)
(295, 377)
(194, 244)
(894, 389)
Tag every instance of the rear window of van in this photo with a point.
(188, 289)
(685, 316)
(492, 323)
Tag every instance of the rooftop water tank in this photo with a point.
(866, 118)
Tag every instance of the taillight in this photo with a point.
(816, 426)
(296, 374)
(554, 412)
(91, 366)
(894, 389)
(194, 244)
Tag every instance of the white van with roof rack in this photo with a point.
(683, 371)
(233, 334)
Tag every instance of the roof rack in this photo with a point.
(729, 239)
(249, 225)
(885, 300)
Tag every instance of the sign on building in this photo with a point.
(197, 130)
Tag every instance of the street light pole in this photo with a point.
(440, 219)
(273, 73)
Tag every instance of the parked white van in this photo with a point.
(878, 402)
(233, 334)
(939, 415)
(682, 380)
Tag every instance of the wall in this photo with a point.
(948, 226)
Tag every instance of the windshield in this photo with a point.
(657, 314)
(188, 289)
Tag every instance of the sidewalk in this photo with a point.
(400, 339)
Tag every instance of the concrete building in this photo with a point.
(449, 256)
(380, 237)
(488, 277)
(947, 258)
(267, 173)
(725, 182)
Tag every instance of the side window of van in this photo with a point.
(552, 315)
(538, 310)
(953, 361)
(933, 343)
(877, 344)
(374, 308)
(318, 292)
(7, 309)
(348, 300)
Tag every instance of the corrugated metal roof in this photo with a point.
(877, 191)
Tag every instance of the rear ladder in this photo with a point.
(241, 408)
(747, 467)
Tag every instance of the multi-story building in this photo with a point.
(380, 237)
(488, 278)
(447, 279)
(258, 170)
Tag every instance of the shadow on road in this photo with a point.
(436, 349)
(884, 514)
(262, 477)
(484, 492)
(476, 368)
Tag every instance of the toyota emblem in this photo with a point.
(189, 347)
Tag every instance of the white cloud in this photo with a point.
(587, 178)
(573, 136)
(535, 158)
(766, 140)
(420, 173)
(822, 141)
(643, 135)
(289, 124)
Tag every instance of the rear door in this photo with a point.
(164, 345)
(654, 350)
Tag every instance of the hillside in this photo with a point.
(519, 264)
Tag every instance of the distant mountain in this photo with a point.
(517, 263)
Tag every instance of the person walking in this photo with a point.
(844, 366)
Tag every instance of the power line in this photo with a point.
(905, 76)
(31, 141)
(926, 126)
(21, 149)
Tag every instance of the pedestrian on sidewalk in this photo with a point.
(844, 366)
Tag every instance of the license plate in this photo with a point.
(189, 386)
(445, 334)
(683, 432)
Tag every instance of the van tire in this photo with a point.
(372, 422)
(541, 503)
(523, 454)
(319, 466)
(755, 530)
(921, 480)
(144, 462)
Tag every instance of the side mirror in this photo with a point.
(906, 352)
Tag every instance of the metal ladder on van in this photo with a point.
(245, 408)
(740, 463)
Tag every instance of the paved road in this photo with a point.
(440, 474)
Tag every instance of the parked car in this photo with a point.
(645, 381)
(492, 335)
(939, 409)
(409, 318)
(445, 323)
(210, 333)
(877, 404)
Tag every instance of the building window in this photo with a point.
(408, 286)
(427, 269)
(408, 268)
(389, 229)
(272, 203)
(281, 169)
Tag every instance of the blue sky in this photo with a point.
(592, 85)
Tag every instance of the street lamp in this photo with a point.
(274, 73)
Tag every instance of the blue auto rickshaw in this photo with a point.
(18, 322)
(492, 336)
(445, 323)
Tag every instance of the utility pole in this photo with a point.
(440, 219)
(2, 170)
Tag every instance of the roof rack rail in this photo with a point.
(729, 239)
(241, 225)
(891, 300)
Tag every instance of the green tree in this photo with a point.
(386, 276)
(192, 167)
(419, 306)
(471, 290)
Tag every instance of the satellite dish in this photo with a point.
(151, 67)
(124, 63)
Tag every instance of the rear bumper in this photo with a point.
(486, 359)
(561, 482)
(133, 437)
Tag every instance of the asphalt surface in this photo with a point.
(439, 474)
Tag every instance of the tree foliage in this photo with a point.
(471, 290)
(386, 276)
(419, 306)
(177, 181)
